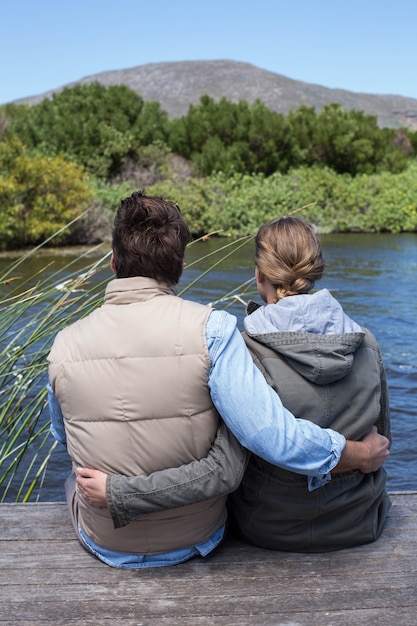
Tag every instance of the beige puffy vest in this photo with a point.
(131, 380)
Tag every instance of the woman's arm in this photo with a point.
(128, 497)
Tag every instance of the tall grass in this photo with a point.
(32, 311)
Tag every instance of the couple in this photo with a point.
(163, 399)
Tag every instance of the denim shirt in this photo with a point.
(254, 413)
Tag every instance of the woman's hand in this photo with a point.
(92, 484)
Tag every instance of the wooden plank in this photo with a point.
(46, 576)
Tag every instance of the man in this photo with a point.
(139, 385)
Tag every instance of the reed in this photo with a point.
(32, 311)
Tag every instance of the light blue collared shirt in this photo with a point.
(255, 414)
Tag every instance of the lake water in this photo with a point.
(373, 276)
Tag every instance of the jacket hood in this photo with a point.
(311, 331)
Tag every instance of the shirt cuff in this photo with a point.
(338, 445)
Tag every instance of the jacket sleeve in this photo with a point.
(217, 474)
(384, 422)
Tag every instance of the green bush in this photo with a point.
(38, 195)
(239, 204)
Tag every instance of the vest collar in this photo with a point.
(135, 289)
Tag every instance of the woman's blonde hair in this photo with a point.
(288, 254)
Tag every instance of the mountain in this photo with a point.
(176, 85)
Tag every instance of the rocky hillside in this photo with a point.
(177, 85)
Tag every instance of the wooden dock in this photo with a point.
(46, 577)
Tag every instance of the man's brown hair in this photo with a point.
(149, 239)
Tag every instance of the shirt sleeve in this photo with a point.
(57, 427)
(254, 412)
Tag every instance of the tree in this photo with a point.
(98, 127)
(346, 141)
(233, 137)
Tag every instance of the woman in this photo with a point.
(326, 368)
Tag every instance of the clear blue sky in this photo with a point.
(365, 46)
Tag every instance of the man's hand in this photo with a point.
(92, 484)
(366, 455)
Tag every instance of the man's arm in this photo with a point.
(366, 455)
(255, 414)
